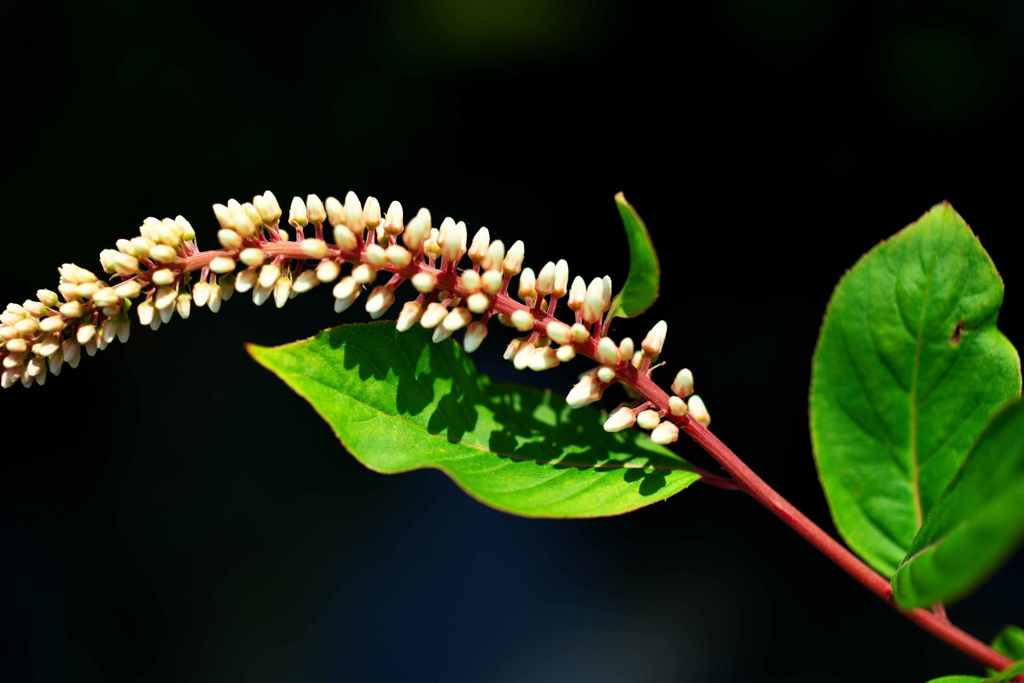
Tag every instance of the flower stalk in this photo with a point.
(162, 273)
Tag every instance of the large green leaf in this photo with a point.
(399, 403)
(908, 369)
(975, 525)
(641, 288)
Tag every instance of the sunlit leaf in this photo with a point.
(399, 403)
(908, 370)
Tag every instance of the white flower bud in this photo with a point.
(342, 305)
(561, 285)
(246, 280)
(523, 355)
(478, 248)
(409, 315)
(328, 271)
(453, 246)
(52, 323)
(162, 253)
(637, 360)
(494, 257)
(398, 256)
(354, 212)
(164, 277)
(440, 334)
(252, 257)
(544, 358)
(511, 349)
(456, 319)
(105, 296)
(491, 281)
(48, 297)
(201, 293)
(665, 433)
(269, 275)
(417, 231)
(347, 288)
(188, 233)
(375, 255)
(394, 221)
(593, 302)
(315, 211)
(558, 332)
(424, 282)
(85, 334)
(183, 305)
(682, 385)
(475, 334)
(229, 239)
(223, 216)
(282, 291)
(648, 419)
(677, 406)
(371, 212)
(379, 301)
(26, 327)
(580, 334)
(15, 346)
(313, 248)
(469, 281)
(221, 265)
(546, 279)
(527, 285)
(364, 273)
(305, 281)
(478, 302)
(344, 238)
(626, 348)
(606, 298)
(621, 418)
(585, 392)
(298, 217)
(522, 320)
(655, 339)
(335, 211)
(71, 351)
(145, 312)
(605, 374)
(164, 299)
(433, 316)
(566, 353)
(698, 411)
(141, 245)
(514, 258)
(607, 352)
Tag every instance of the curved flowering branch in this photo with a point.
(162, 273)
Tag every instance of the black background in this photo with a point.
(170, 511)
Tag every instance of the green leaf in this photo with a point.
(1000, 677)
(908, 370)
(975, 525)
(641, 288)
(1010, 642)
(399, 403)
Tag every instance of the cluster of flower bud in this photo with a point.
(459, 283)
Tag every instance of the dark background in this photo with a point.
(171, 512)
